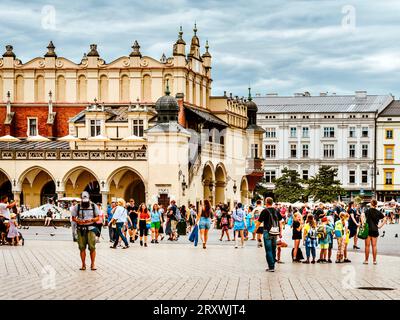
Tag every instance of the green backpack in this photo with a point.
(364, 229)
(321, 232)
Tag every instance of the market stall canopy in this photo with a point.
(69, 138)
(9, 138)
(41, 212)
(99, 138)
(69, 199)
(37, 138)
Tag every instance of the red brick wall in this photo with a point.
(20, 122)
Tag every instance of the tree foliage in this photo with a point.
(288, 187)
(324, 186)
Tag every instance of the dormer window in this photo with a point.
(95, 128)
(32, 127)
(138, 127)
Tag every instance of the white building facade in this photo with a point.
(305, 132)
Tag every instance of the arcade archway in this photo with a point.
(5, 186)
(244, 191)
(208, 182)
(220, 184)
(82, 179)
(37, 185)
(126, 183)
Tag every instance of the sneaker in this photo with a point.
(270, 270)
(145, 244)
(306, 262)
(125, 247)
(365, 262)
(152, 241)
(329, 261)
(319, 261)
(313, 262)
(236, 247)
(141, 243)
(347, 261)
(156, 241)
(259, 245)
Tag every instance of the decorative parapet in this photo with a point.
(73, 155)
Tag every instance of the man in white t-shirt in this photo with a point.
(5, 216)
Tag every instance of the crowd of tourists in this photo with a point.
(320, 226)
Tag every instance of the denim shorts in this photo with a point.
(205, 223)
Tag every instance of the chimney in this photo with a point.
(361, 94)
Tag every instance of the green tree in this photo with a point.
(288, 187)
(324, 186)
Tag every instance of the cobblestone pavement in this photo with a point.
(49, 269)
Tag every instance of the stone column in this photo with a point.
(17, 197)
(104, 200)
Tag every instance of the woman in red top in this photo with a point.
(143, 216)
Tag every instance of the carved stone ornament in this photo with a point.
(1, 62)
(144, 63)
(41, 64)
(59, 63)
(84, 63)
(17, 62)
(100, 62)
(126, 63)
(170, 61)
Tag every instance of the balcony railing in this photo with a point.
(214, 149)
(255, 166)
(73, 155)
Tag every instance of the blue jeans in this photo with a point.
(310, 251)
(270, 249)
(111, 232)
(118, 234)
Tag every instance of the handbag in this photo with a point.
(364, 231)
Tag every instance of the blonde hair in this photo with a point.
(121, 202)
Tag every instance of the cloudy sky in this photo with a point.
(275, 45)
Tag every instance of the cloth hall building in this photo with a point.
(136, 127)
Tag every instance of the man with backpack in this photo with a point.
(272, 230)
(174, 217)
(85, 214)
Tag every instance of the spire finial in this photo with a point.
(250, 98)
(195, 28)
(167, 92)
(180, 32)
(207, 46)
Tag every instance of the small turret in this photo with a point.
(251, 110)
(93, 51)
(167, 107)
(180, 45)
(136, 50)
(195, 45)
(207, 57)
(51, 51)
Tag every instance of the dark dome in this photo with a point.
(167, 102)
(251, 106)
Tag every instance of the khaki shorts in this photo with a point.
(86, 239)
(173, 225)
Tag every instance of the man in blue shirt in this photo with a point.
(111, 230)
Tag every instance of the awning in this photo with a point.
(206, 117)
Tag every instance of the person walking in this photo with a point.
(144, 217)
(271, 231)
(156, 221)
(120, 218)
(204, 220)
(239, 224)
(111, 226)
(256, 214)
(341, 231)
(133, 215)
(85, 214)
(224, 224)
(310, 238)
(354, 223)
(376, 220)
(100, 222)
(297, 227)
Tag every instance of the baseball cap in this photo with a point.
(85, 196)
(324, 219)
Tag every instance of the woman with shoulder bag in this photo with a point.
(375, 220)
